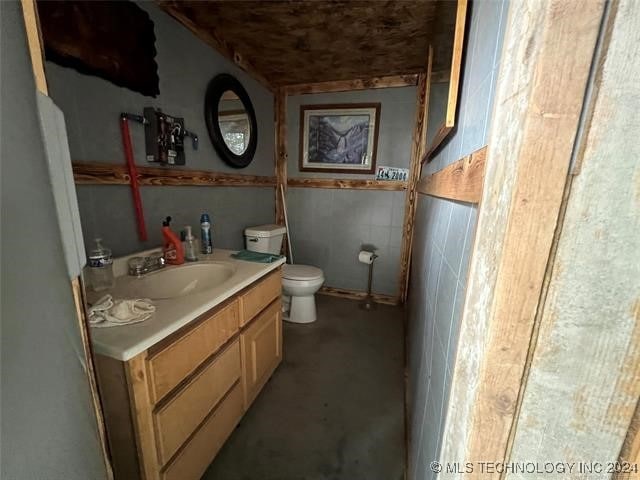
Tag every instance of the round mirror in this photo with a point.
(231, 120)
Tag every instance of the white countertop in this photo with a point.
(125, 342)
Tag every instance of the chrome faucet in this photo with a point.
(138, 266)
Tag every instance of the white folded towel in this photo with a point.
(108, 312)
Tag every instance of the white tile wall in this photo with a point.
(443, 239)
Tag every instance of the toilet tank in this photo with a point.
(264, 238)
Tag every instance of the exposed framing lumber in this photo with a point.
(442, 76)
(539, 97)
(34, 39)
(391, 81)
(359, 295)
(461, 180)
(214, 40)
(454, 81)
(346, 183)
(417, 150)
(280, 111)
(115, 174)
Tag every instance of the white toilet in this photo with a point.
(299, 282)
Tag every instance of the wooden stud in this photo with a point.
(34, 39)
(359, 295)
(456, 63)
(115, 174)
(441, 134)
(346, 183)
(417, 150)
(454, 82)
(281, 151)
(390, 81)
(461, 180)
(539, 98)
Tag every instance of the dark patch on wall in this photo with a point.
(111, 40)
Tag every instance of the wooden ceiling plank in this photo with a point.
(390, 81)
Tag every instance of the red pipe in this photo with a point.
(133, 174)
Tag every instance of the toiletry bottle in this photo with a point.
(101, 267)
(206, 234)
(190, 254)
(173, 251)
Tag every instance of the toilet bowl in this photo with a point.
(299, 282)
(299, 285)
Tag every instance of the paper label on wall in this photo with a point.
(392, 173)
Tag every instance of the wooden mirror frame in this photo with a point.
(454, 82)
(216, 89)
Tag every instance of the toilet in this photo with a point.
(299, 282)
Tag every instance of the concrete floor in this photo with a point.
(333, 409)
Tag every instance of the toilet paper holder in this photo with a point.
(369, 258)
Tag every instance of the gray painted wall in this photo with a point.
(443, 239)
(92, 107)
(328, 227)
(48, 427)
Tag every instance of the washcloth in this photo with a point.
(108, 312)
(256, 256)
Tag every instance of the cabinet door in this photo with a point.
(261, 345)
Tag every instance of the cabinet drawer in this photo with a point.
(261, 346)
(255, 299)
(178, 419)
(171, 365)
(196, 456)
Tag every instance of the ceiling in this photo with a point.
(306, 41)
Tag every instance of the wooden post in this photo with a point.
(546, 58)
(280, 111)
(418, 148)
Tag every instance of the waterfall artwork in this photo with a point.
(339, 138)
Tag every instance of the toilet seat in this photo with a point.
(301, 272)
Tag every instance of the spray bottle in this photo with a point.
(206, 234)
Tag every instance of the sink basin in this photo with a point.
(172, 282)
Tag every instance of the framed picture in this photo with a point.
(339, 138)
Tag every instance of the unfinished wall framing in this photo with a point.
(525, 177)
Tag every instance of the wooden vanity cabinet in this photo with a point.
(169, 409)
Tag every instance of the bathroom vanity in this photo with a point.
(174, 387)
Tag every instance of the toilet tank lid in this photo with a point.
(265, 231)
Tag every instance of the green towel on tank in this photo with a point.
(256, 256)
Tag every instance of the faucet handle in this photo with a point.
(136, 266)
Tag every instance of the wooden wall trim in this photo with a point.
(214, 40)
(114, 174)
(418, 147)
(540, 91)
(348, 184)
(390, 81)
(359, 295)
(34, 40)
(461, 180)
(282, 156)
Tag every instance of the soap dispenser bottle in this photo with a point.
(190, 249)
(173, 250)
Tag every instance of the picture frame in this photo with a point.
(339, 138)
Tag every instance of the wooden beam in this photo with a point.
(417, 151)
(34, 39)
(280, 110)
(539, 98)
(115, 174)
(441, 134)
(347, 183)
(461, 180)
(214, 40)
(456, 63)
(359, 295)
(443, 76)
(390, 81)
